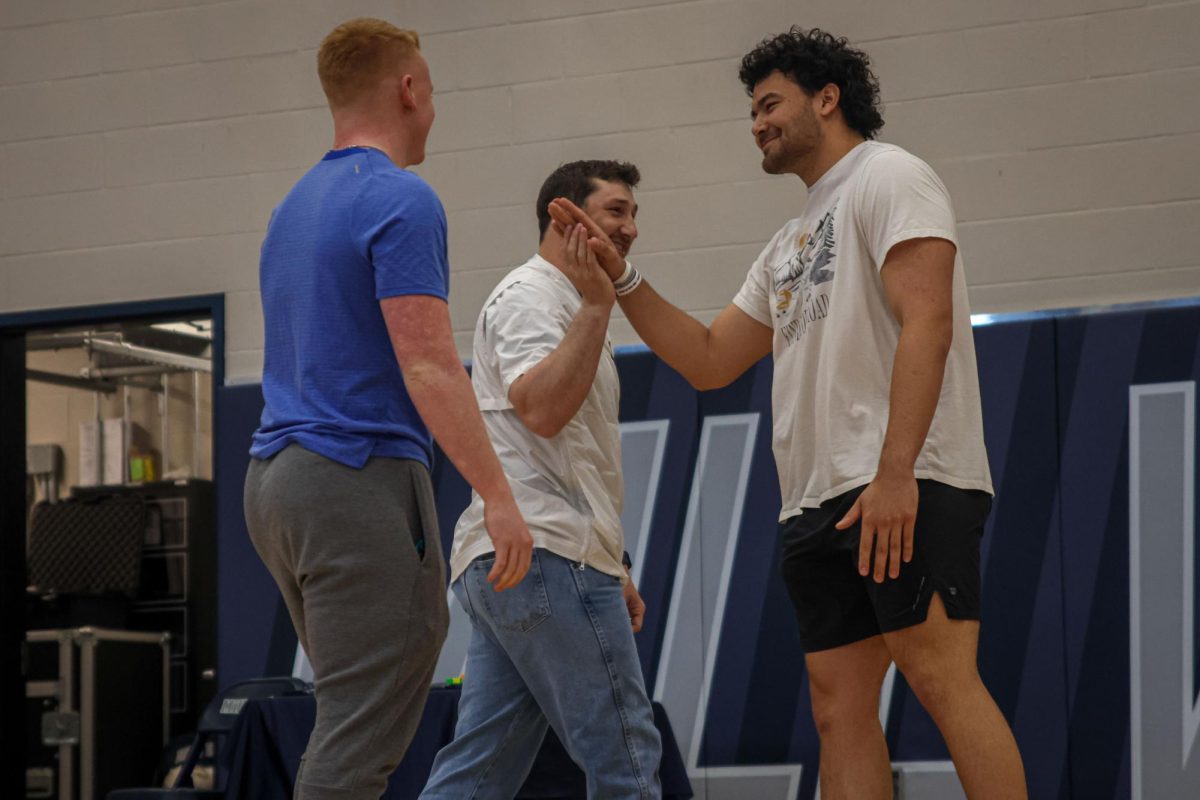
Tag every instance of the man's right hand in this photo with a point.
(581, 268)
(510, 536)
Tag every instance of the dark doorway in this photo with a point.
(14, 329)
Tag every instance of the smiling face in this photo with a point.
(613, 208)
(785, 124)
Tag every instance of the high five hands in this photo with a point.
(583, 269)
(564, 214)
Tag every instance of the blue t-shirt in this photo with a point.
(354, 230)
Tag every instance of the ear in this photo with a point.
(827, 99)
(407, 98)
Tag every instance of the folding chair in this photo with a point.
(217, 721)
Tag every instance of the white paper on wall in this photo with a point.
(89, 453)
(116, 450)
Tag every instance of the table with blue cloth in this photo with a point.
(260, 758)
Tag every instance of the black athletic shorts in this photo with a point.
(836, 606)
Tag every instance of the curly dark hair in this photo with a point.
(574, 181)
(813, 59)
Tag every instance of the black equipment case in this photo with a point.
(98, 710)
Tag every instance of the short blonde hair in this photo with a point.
(357, 54)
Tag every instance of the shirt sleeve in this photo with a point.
(401, 231)
(902, 198)
(522, 326)
(754, 297)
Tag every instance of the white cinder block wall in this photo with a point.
(143, 143)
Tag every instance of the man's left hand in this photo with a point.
(888, 511)
(635, 604)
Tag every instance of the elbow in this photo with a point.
(424, 368)
(539, 422)
(708, 380)
(707, 384)
(542, 418)
(547, 429)
(935, 335)
(944, 337)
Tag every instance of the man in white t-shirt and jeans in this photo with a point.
(558, 648)
(878, 434)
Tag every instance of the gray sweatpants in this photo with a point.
(369, 611)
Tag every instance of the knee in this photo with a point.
(840, 711)
(938, 686)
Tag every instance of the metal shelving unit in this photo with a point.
(129, 356)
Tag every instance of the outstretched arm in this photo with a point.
(708, 357)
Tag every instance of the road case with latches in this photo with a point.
(99, 702)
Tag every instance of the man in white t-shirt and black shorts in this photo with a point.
(877, 433)
(556, 650)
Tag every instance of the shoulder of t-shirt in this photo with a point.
(529, 290)
(525, 287)
(525, 304)
(893, 171)
(889, 162)
(390, 189)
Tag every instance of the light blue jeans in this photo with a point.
(557, 650)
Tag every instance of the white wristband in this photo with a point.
(625, 276)
(628, 286)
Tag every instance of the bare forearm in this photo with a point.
(707, 356)
(442, 393)
(550, 394)
(674, 335)
(419, 328)
(917, 373)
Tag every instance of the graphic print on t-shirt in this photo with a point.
(801, 282)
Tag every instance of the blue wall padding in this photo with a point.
(1054, 649)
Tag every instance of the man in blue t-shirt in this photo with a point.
(338, 498)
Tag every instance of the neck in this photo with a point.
(352, 133)
(551, 248)
(832, 150)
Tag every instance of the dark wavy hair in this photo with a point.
(574, 181)
(813, 59)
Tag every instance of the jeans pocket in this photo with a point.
(519, 609)
(461, 589)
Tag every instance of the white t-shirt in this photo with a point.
(568, 488)
(817, 284)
